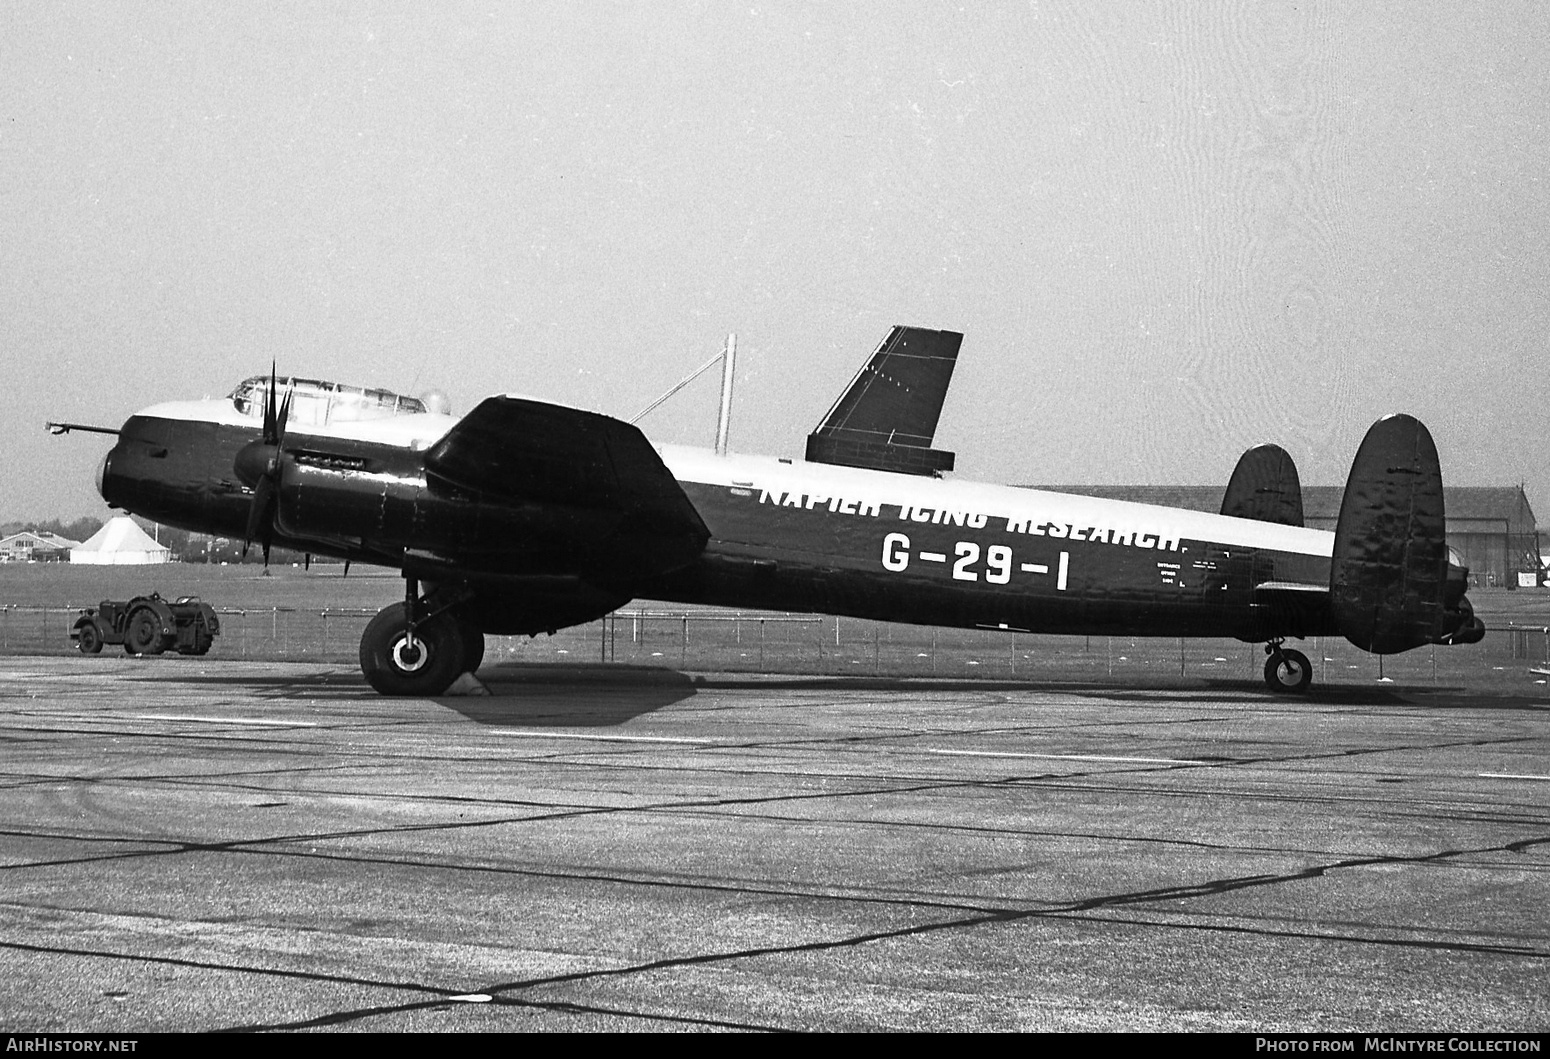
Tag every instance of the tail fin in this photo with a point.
(1265, 487)
(1392, 586)
(886, 418)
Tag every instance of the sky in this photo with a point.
(1169, 232)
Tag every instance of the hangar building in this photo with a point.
(35, 546)
(1491, 527)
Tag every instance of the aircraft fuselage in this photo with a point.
(783, 535)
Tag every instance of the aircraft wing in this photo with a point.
(536, 455)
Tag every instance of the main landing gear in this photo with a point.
(419, 646)
(1287, 672)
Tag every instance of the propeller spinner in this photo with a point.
(258, 466)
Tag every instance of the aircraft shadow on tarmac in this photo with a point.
(535, 695)
(526, 695)
(546, 693)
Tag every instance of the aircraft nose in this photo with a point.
(103, 469)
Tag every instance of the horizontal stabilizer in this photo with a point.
(886, 419)
(1265, 487)
(525, 452)
(1390, 560)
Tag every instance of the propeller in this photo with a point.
(258, 467)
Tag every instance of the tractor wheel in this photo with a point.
(90, 641)
(143, 635)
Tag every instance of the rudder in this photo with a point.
(1390, 560)
(1265, 487)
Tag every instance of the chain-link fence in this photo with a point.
(797, 643)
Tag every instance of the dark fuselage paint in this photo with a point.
(769, 548)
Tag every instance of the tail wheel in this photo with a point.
(394, 664)
(143, 636)
(90, 640)
(1288, 672)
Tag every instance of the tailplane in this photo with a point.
(886, 418)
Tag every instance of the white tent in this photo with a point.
(120, 542)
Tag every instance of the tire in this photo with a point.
(393, 668)
(473, 648)
(90, 641)
(1288, 672)
(142, 634)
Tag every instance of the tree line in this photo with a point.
(185, 546)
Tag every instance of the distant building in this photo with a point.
(31, 546)
(1491, 527)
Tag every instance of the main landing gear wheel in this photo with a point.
(427, 666)
(1288, 672)
(473, 647)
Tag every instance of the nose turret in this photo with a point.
(113, 484)
(173, 470)
(102, 473)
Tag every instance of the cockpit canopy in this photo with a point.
(318, 403)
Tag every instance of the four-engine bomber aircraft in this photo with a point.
(526, 516)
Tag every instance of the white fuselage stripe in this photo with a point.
(870, 490)
(866, 490)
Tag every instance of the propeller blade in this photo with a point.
(269, 404)
(258, 515)
(258, 465)
(285, 413)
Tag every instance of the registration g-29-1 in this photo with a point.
(971, 562)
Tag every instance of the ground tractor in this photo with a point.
(148, 625)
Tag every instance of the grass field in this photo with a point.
(319, 614)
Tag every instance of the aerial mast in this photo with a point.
(724, 418)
